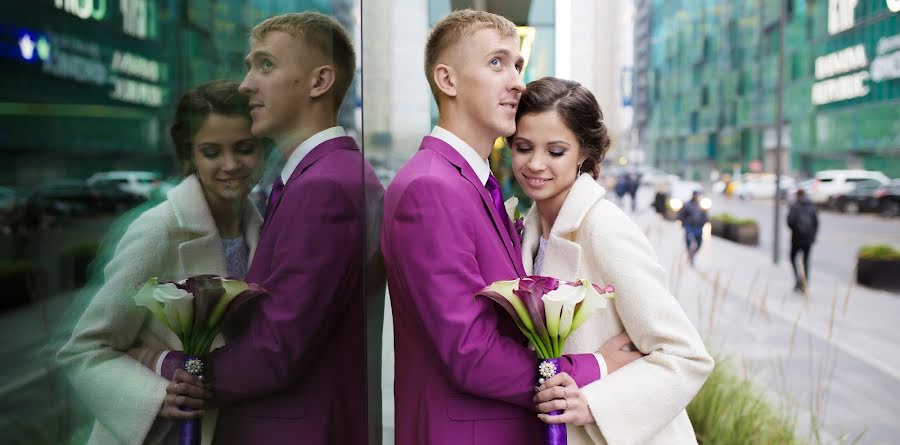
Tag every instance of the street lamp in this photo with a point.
(782, 17)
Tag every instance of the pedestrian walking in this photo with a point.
(693, 218)
(634, 181)
(803, 220)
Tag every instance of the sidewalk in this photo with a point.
(834, 358)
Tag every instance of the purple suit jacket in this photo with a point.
(463, 372)
(297, 373)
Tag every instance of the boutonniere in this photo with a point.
(518, 220)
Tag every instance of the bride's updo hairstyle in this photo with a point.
(579, 110)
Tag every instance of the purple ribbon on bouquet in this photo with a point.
(554, 434)
(190, 429)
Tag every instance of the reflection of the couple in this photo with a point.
(294, 365)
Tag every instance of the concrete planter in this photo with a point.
(744, 233)
(878, 273)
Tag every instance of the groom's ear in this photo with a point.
(445, 79)
(322, 80)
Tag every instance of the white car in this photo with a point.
(833, 182)
(139, 183)
(762, 186)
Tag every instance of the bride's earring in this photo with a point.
(578, 174)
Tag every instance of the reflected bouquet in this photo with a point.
(547, 311)
(195, 310)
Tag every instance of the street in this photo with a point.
(840, 235)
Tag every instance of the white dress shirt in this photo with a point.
(307, 146)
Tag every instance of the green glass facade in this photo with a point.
(713, 86)
(90, 86)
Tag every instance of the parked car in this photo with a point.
(889, 199)
(861, 198)
(140, 183)
(50, 203)
(832, 182)
(762, 186)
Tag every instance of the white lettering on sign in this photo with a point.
(74, 66)
(888, 44)
(893, 5)
(840, 15)
(839, 62)
(83, 9)
(886, 67)
(840, 88)
(134, 17)
(128, 90)
(134, 65)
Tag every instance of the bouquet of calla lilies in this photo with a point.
(195, 310)
(547, 311)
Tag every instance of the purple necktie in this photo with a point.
(494, 188)
(274, 196)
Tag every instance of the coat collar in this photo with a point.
(583, 195)
(562, 258)
(197, 235)
(502, 227)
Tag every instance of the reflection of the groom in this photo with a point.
(297, 371)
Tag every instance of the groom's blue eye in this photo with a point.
(495, 61)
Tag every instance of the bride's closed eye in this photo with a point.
(521, 147)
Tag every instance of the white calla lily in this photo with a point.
(555, 303)
(178, 306)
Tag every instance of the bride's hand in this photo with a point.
(185, 391)
(560, 392)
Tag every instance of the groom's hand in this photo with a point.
(618, 352)
(186, 391)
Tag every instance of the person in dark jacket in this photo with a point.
(633, 182)
(693, 218)
(803, 220)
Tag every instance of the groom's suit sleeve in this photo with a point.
(316, 266)
(435, 254)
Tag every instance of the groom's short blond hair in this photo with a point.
(454, 28)
(321, 32)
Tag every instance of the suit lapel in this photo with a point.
(317, 153)
(501, 227)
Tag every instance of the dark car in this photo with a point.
(861, 198)
(889, 199)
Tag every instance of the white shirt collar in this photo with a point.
(479, 165)
(307, 146)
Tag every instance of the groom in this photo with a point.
(298, 372)
(463, 370)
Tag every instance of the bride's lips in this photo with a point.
(233, 181)
(534, 181)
